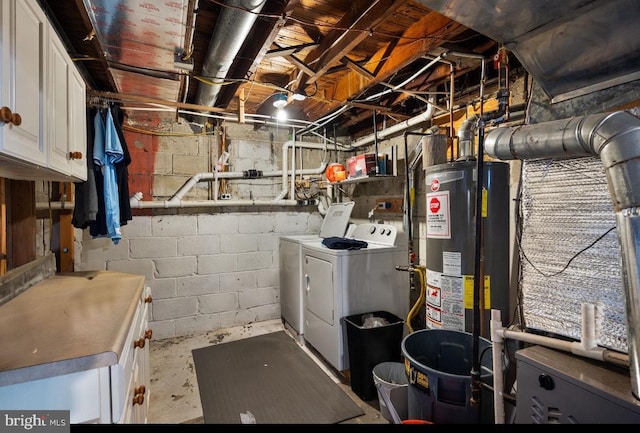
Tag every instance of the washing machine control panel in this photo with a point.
(384, 234)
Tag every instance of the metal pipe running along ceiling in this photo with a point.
(234, 24)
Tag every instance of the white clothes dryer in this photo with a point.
(340, 283)
(335, 223)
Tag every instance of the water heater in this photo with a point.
(450, 244)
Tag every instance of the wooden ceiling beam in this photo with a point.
(356, 68)
(287, 51)
(349, 39)
(299, 64)
(359, 19)
(418, 40)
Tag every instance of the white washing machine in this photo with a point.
(334, 223)
(340, 283)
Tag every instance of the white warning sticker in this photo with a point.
(438, 217)
(433, 296)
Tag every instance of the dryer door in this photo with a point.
(322, 327)
(319, 290)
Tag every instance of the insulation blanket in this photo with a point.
(569, 250)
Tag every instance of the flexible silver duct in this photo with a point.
(615, 139)
(233, 25)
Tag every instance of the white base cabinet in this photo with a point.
(116, 394)
(85, 394)
(130, 378)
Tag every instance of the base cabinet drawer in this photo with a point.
(86, 394)
(130, 378)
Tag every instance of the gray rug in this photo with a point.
(268, 378)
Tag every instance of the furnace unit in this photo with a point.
(556, 387)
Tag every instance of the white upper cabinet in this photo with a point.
(24, 34)
(42, 99)
(77, 125)
(66, 112)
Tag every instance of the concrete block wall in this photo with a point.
(205, 270)
(207, 267)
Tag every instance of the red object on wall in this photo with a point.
(335, 172)
(362, 165)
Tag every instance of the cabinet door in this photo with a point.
(66, 112)
(77, 124)
(24, 32)
(58, 109)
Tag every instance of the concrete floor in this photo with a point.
(175, 397)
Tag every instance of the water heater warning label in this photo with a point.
(438, 217)
(445, 302)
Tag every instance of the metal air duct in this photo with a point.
(615, 139)
(234, 24)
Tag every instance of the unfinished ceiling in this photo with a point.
(164, 58)
(353, 62)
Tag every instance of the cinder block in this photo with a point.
(217, 264)
(164, 309)
(255, 261)
(218, 303)
(237, 281)
(238, 244)
(174, 225)
(175, 267)
(153, 247)
(217, 224)
(198, 285)
(198, 245)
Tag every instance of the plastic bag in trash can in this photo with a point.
(371, 321)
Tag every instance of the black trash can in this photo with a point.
(372, 338)
(438, 365)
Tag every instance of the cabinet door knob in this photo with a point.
(148, 299)
(139, 390)
(75, 155)
(16, 119)
(138, 399)
(5, 114)
(148, 333)
(139, 343)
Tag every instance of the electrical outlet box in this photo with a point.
(389, 205)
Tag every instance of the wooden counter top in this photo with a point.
(67, 323)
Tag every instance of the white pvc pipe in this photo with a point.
(285, 162)
(397, 128)
(586, 347)
(138, 204)
(176, 199)
(496, 352)
(292, 191)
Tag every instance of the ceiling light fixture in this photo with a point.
(280, 100)
(299, 96)
(281, 114)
